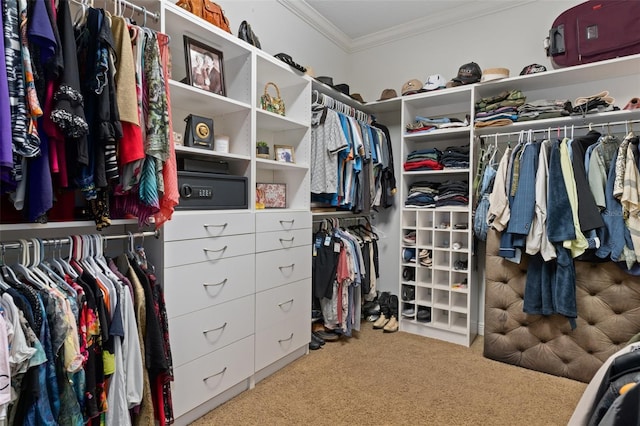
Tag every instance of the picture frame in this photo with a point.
(284, 153)
(205, 66)
(271, 196)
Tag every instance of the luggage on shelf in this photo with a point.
(594, 31)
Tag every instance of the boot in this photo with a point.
(380, 322)
(383, 300)
(392, 325)
(394, 306)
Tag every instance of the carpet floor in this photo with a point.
(377, 378)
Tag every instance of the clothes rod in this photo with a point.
(558, 128)
(67, 240)
(125, 3)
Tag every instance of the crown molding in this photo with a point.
(302, 10)
(417, 26)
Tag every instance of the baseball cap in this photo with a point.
(468, 73)
(411, 87)
(388, 94)
(435, 82)
(532, 69)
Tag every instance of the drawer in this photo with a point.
(285, 303)
(189, 288)
(202, 379)
(274, 268)
(201, 224)
(275, 240)
(281, 339)
(282, 221)
(211, 249)
(207, 330)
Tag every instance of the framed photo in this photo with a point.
(204, 66)
(271, 195)
(284, 153)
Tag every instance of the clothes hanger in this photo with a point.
(3, 284)
(23, 265)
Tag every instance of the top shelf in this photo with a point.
(614, 68)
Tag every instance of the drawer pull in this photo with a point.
(288, 266)
(214, 329)
(290, 222)
(290, 240)
(209, 225)
(215, 251)
(287, 339)
(216, 284)
(284, 303)
(214, 375)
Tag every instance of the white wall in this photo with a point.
(280, 31)
(510, 39)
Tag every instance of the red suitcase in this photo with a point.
(594, 31)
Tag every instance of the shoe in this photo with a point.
(382, 321)
(634, 103)
(316, 338)
(408, 292)
(424, 314)
(409, 273)
(314, 345)
(372, 318)
(409, 255)
(409, 238)
(408, 312)
(392, 325)
(320, 331)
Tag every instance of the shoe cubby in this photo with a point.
(425, 220)
(459, 240)
(444, 230)
(408, 275)
(441, 298)
(459, 322)
(459, 281)
(425, 238)
(408, 310)
(424, 296)
(424, 277)
(459, 221)
(442, 240)
(441, 259)
(459, 301)
(442, 220)
(423, 314)
(441, 279)
(409, 220)
(440, 317)
(460, 261)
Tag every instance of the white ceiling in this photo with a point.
(358, 24)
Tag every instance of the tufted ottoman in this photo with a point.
(608, 302)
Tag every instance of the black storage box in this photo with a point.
(210, 191)
(205, 166)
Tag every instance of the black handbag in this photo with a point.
(199, 132)
(246, 33)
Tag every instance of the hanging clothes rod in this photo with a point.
(125, 3)
(558, 128)
(319, 98)
(67, 240)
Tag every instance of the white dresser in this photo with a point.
(210, 296)
(283, 287)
